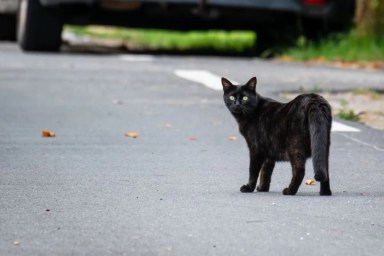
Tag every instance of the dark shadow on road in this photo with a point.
(97, 49)
(313, 194)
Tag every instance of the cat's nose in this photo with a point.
(237, 103)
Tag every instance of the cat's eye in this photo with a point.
(245, 98)
(232, 98)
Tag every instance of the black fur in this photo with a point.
(275, 131)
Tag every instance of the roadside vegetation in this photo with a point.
(358, 105)
(166, 40)
(347, 114)
(364, 43)
(342, 48)
(348, 47)
(362, 46)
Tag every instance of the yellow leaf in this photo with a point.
(132, 134)
(310, 182)
(285, 57)
(45, 133)
(232, 138)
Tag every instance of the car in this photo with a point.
(40, 22)
(8, 10)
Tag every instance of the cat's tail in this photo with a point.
(320, 122)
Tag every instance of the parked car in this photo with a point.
(8, 10)
(40, 22)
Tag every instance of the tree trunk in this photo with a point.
(369, 17)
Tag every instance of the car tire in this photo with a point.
(7, 27)
(38, 28)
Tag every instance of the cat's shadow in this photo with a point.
(353, 194)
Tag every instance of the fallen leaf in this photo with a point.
(310, 182)
(285, 58)
(193, 138)
(232, 138)
(45, 133)
(132, 134)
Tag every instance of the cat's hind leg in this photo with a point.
(325, 188)
(265, 176)
(254, 168)
(298, 171)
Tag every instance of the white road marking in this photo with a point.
(212, 81)
(339, 127)
(363, 143)
(136, 58)
(204, 77)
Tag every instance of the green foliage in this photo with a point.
(346, 47)
(374, 95)
(221, 41)
(347, 114)
(315, 89)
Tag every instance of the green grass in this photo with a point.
(369, 93)
(347, 114)
(347, 47)
(155, 39)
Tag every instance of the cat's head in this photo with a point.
(240, 99)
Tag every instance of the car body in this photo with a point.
(34, 33)
(8, 9)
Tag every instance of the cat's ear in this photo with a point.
(226, 84)
(252, 83)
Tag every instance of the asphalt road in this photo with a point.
(93, 191)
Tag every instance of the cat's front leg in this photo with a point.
(254, 168)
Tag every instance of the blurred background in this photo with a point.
(326, 30)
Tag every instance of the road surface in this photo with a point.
(174, 190)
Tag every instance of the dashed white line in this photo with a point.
(212, 81)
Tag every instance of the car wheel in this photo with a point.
(38, 28)
(8, 27)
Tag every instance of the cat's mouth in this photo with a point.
(237, 110)
(241, 110)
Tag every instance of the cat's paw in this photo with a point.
(246, 189)
(288, 192)
(325, 192)
(262, 188)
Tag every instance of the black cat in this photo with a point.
(275, 131)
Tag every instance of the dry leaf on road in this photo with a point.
(132, 134)
(232, 138)
(310, 182)
(45, 133)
